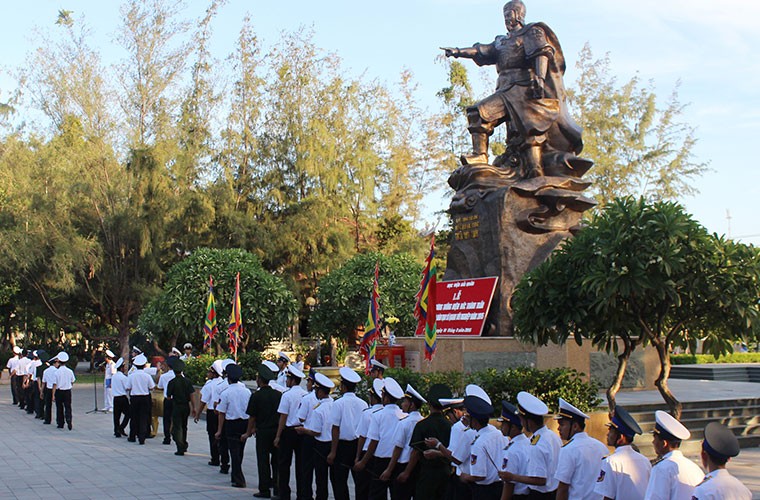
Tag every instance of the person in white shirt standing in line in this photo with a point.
(345, 416)
(485, 450)
(514, 457)
(139, 385)
(362, 479)
(625, 473)
(64, 380)
(211, 420)
(233, 421)
(674, 476)
(12, 364)
(579, 458)
(402, 486)
(48, 381)
(163, 384)
(719, 446)
(109, 371)
(120, 399)
(287, 440)
(319, 425)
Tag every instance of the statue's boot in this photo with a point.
(479, 150)
(532, 162)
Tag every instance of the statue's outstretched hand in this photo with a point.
(450, 51)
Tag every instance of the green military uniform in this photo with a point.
(262, 407)
(433, 477)
(180, 390)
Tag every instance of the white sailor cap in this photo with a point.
(668, 428)
(292, 370)
(62, 357)
(119, 363)
(176, 351)
(393, 389)
(528, 403)
(17, 350)
(217, 366)
(271, 366)
(376, 364)
(282, 356)
(34, 354)
(349, 375)
(412, 393)
(477, 391)
(226, 362)
(277, 387)
(323, 380)
(140, 360)
(568, 411)
(377, 386)
(187, 345)
(110, 354)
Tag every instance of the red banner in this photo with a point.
(462, 306)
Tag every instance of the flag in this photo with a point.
(209, 325)
(368, 345)
(424, 309)
(236, 322)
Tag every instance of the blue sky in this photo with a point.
(710, 46)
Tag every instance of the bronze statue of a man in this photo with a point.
(530, 97)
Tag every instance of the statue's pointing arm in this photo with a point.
(482, 54)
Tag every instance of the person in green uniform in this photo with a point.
(180, 392)
(262, 422)
(434, 469)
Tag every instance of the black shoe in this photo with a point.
(238, 485)
(167, 441)
(69, 424)
(142, 441)
(59, 426)
(46, 423)
(179, 453)
(260, 494)
(131, 440)
(224, 470)
(216, 464)
(117, 435)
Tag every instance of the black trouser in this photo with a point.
(233, 430)
(458, 489)
(120, 414)
(224, 448)
(378, 490)
(433, 481)
(306, 479)
(266, 459)
(212, 422)
(321, 469)
(405, 490)
(344, 461)
(36, 401)
(180, 413)
(139, 424)
(47, 404)
(62, 407)
(537, 495)
(362, 481)
(13, 389)
(488, 491)
(290, 443)
(20, 392)
(167, 419)
(29, 396)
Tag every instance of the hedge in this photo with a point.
(703, 359)
(196, 368)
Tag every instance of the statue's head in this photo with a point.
(514, 14)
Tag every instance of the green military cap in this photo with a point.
(438, 392)
(265, 373)
(178, 365)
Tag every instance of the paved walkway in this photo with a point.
(692, 390)
(42, 462)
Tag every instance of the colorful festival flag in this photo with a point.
(368, 345)
(234, 329)
(424, 309)
(209, 325)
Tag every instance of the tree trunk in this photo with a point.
(124, 332)
(613, 389)
(662, 381)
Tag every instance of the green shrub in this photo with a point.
(249, 362)
(702, 359)
(196, 368)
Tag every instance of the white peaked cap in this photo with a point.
(140, 360)
(664, 421)
(217, 366)
(17, 349)
(412, 393)
(349, 375)
(323, 381)
(566, 410)
(110, 354)
(478, 392)
(392, 388)
(378, 385)
(292, 370)
(277, 387)
(62, 357)
(271, 366)
(119, 363)
(283, 356)
(376, 364)
(531, 404)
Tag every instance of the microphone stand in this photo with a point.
(95, 393)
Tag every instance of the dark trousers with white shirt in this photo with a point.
(378, 490)
(120, 414)
(62, 407)
(405, 490)
(212, 422)
(139, 424)
(47, 405)
(362, 481)
(13, 389)
(167, 420)
(487, 491)
(344, 461)
(306, 479)
(233, 429)
(290, 444)
(321, 469)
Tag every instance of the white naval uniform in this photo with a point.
(119, 384)
(289, 403)
(382, 428)
(319, 420)
(139, 383)
(484, 452)
(346, 414)
(719, 485)
(515, 460)
(364, 421)
(308, 402)
(460, 443)
(217, 390)
(163, 382)
(48, 376)
(403, 435)
(282, 377)
(673, 478)
(64, 378)
(206, 391)
(624, 474)
(579, 460)
(233, 401)
(544, 456)
(109, 372)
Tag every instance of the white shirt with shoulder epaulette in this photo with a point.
(217, 390)
(382, 428)
(140, 383)
(514, 459)
(720, 484)
(460, 443)
(282, 377)
(544, 455)
(578, 464)
(364, 421)
(403, 435)
(48, 376)
(233, 401)
(484, 452)
(319, 420)
(308, 402)
(206, 391)
(346, 414)
(289, 403)
(119, 384)
(674, 477)
(624, 474)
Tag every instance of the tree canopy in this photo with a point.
(643, 273)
